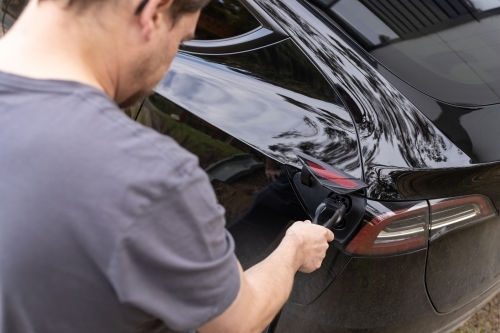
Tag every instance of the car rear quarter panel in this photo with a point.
(390, 128)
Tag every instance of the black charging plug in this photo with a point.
(330, 213)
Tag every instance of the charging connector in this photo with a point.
(330, 213)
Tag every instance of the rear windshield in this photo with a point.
(449, 49)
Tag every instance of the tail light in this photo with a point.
(391, 228)
(453, 213)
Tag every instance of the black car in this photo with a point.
(389, 108)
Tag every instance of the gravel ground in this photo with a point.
(485, 320)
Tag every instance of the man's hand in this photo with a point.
(266, 286)
(311, 242)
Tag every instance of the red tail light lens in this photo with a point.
(453, 213)
(391, 228)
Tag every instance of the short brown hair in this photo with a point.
(178, 8)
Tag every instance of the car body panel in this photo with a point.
(303, 113)
(472, 128)
(463, 265)
(391, 130)
(369, 295)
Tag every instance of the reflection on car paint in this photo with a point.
(472, 128)
(447, 49)
(407, 184)
(296, 108)
(392, 131)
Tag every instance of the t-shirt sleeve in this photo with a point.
(177, 262)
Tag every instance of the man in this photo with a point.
(107, 226)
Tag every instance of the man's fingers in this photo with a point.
(330, 235)
(307, 222)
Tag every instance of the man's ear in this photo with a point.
(149, 15)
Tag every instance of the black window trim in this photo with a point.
(268, 33)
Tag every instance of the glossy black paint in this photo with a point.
(411, 184)
(296, 108)
(473, 129)
(391, 130)
(392, 133)
(383, 295)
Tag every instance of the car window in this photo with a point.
(449, 50)
(9, 12)
(222, 19)
(14, 7)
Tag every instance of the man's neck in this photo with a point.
(42, 45)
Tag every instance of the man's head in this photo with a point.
(136, 40)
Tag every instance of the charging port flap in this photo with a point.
(328, 176)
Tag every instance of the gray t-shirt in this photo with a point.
(105, 225)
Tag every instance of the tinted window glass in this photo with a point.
(225, 19)
(15, 7)
(9, 12)
(450, 50)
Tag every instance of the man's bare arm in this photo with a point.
(265, 287)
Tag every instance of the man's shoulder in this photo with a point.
(131, 145)
(79, 137)
(111, 130)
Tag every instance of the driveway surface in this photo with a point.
(485, 320)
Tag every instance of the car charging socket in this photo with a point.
(330, 213)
